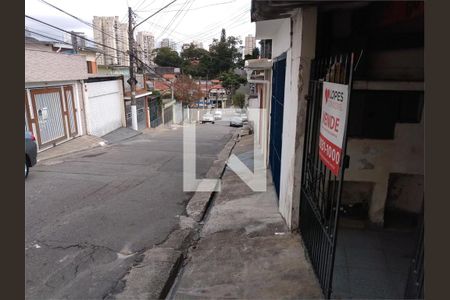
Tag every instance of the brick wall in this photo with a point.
(47, 66)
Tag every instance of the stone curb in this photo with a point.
(197, 205)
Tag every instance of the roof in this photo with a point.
(161, 86)
(279, 9)
(217, 87)
(169, 76)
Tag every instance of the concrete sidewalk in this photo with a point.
(86, 142)
(245, 250)
(75, 145)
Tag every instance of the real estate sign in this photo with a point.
(332, 124)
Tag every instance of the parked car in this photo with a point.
(30, 151)
(207, 118)
(236, 121)
(242, 114)
(218, 115)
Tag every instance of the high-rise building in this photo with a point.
(250, 44)
(76, 37)
(145, 45)
(167, 43)
(114, 35)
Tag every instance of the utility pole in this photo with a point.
(132, 80)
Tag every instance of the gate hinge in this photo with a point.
(346, 161)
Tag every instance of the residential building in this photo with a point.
(250, 44)
(168, 43)
(76, 37)
(372, 52)
(109, 31)
(65, 97)
(218, 96)
(146, 43)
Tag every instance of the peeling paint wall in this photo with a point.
(298, 62)
(374, 161)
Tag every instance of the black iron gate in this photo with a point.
(276, 119)
(320, 188)
(414, 285)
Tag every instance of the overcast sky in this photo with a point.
(194, 19)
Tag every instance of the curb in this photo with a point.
(197, 206)
(162, 263)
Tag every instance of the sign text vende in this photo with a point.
(332, 124)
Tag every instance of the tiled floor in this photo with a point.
(372, 264)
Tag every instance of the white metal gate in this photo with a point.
(71, 110)
(49, 115)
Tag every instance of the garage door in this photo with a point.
(105, 106)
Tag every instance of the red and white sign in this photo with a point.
(332, 124)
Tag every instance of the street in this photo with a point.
(88, 215)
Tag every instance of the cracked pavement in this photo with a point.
(89, 216)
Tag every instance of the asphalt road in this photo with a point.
(89, 214)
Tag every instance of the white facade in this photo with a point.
(250, 44)
(299, 51)
(114, 35)
(168, 43)
(146, 43)
(104, 105)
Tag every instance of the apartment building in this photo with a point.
(250, 44)
(146, 44)
(112, 33)
(168, 43)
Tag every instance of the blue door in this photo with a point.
(276, 119)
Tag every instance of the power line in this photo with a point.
(173, 19)
(81, 37)
(185, 13)
(195, 8)
(81, 20)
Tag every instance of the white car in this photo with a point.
(242, 114)
(218, 115)
(236, 121)
(208, 117)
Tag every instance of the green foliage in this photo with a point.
(224, 54)
(196, 61)
(232, 81)
(255, 52)
(166, 57)
(239, 100)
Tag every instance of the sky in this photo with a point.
(183, 21)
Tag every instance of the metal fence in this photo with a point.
(321, 189)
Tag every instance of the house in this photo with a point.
(63, 100)
(370, 56)
(54, 109)
(218, 96)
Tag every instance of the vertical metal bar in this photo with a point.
(341, 177)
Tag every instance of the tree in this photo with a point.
(239, 100)
(166, 57)
(224, 54)
(195, 61)
(232, 81)
(255, 52)
(186, 90)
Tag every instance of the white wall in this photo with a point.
(299, 53)
(297, 73)
(279, 31)
(104, 106)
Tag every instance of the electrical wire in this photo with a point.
(83, 21)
